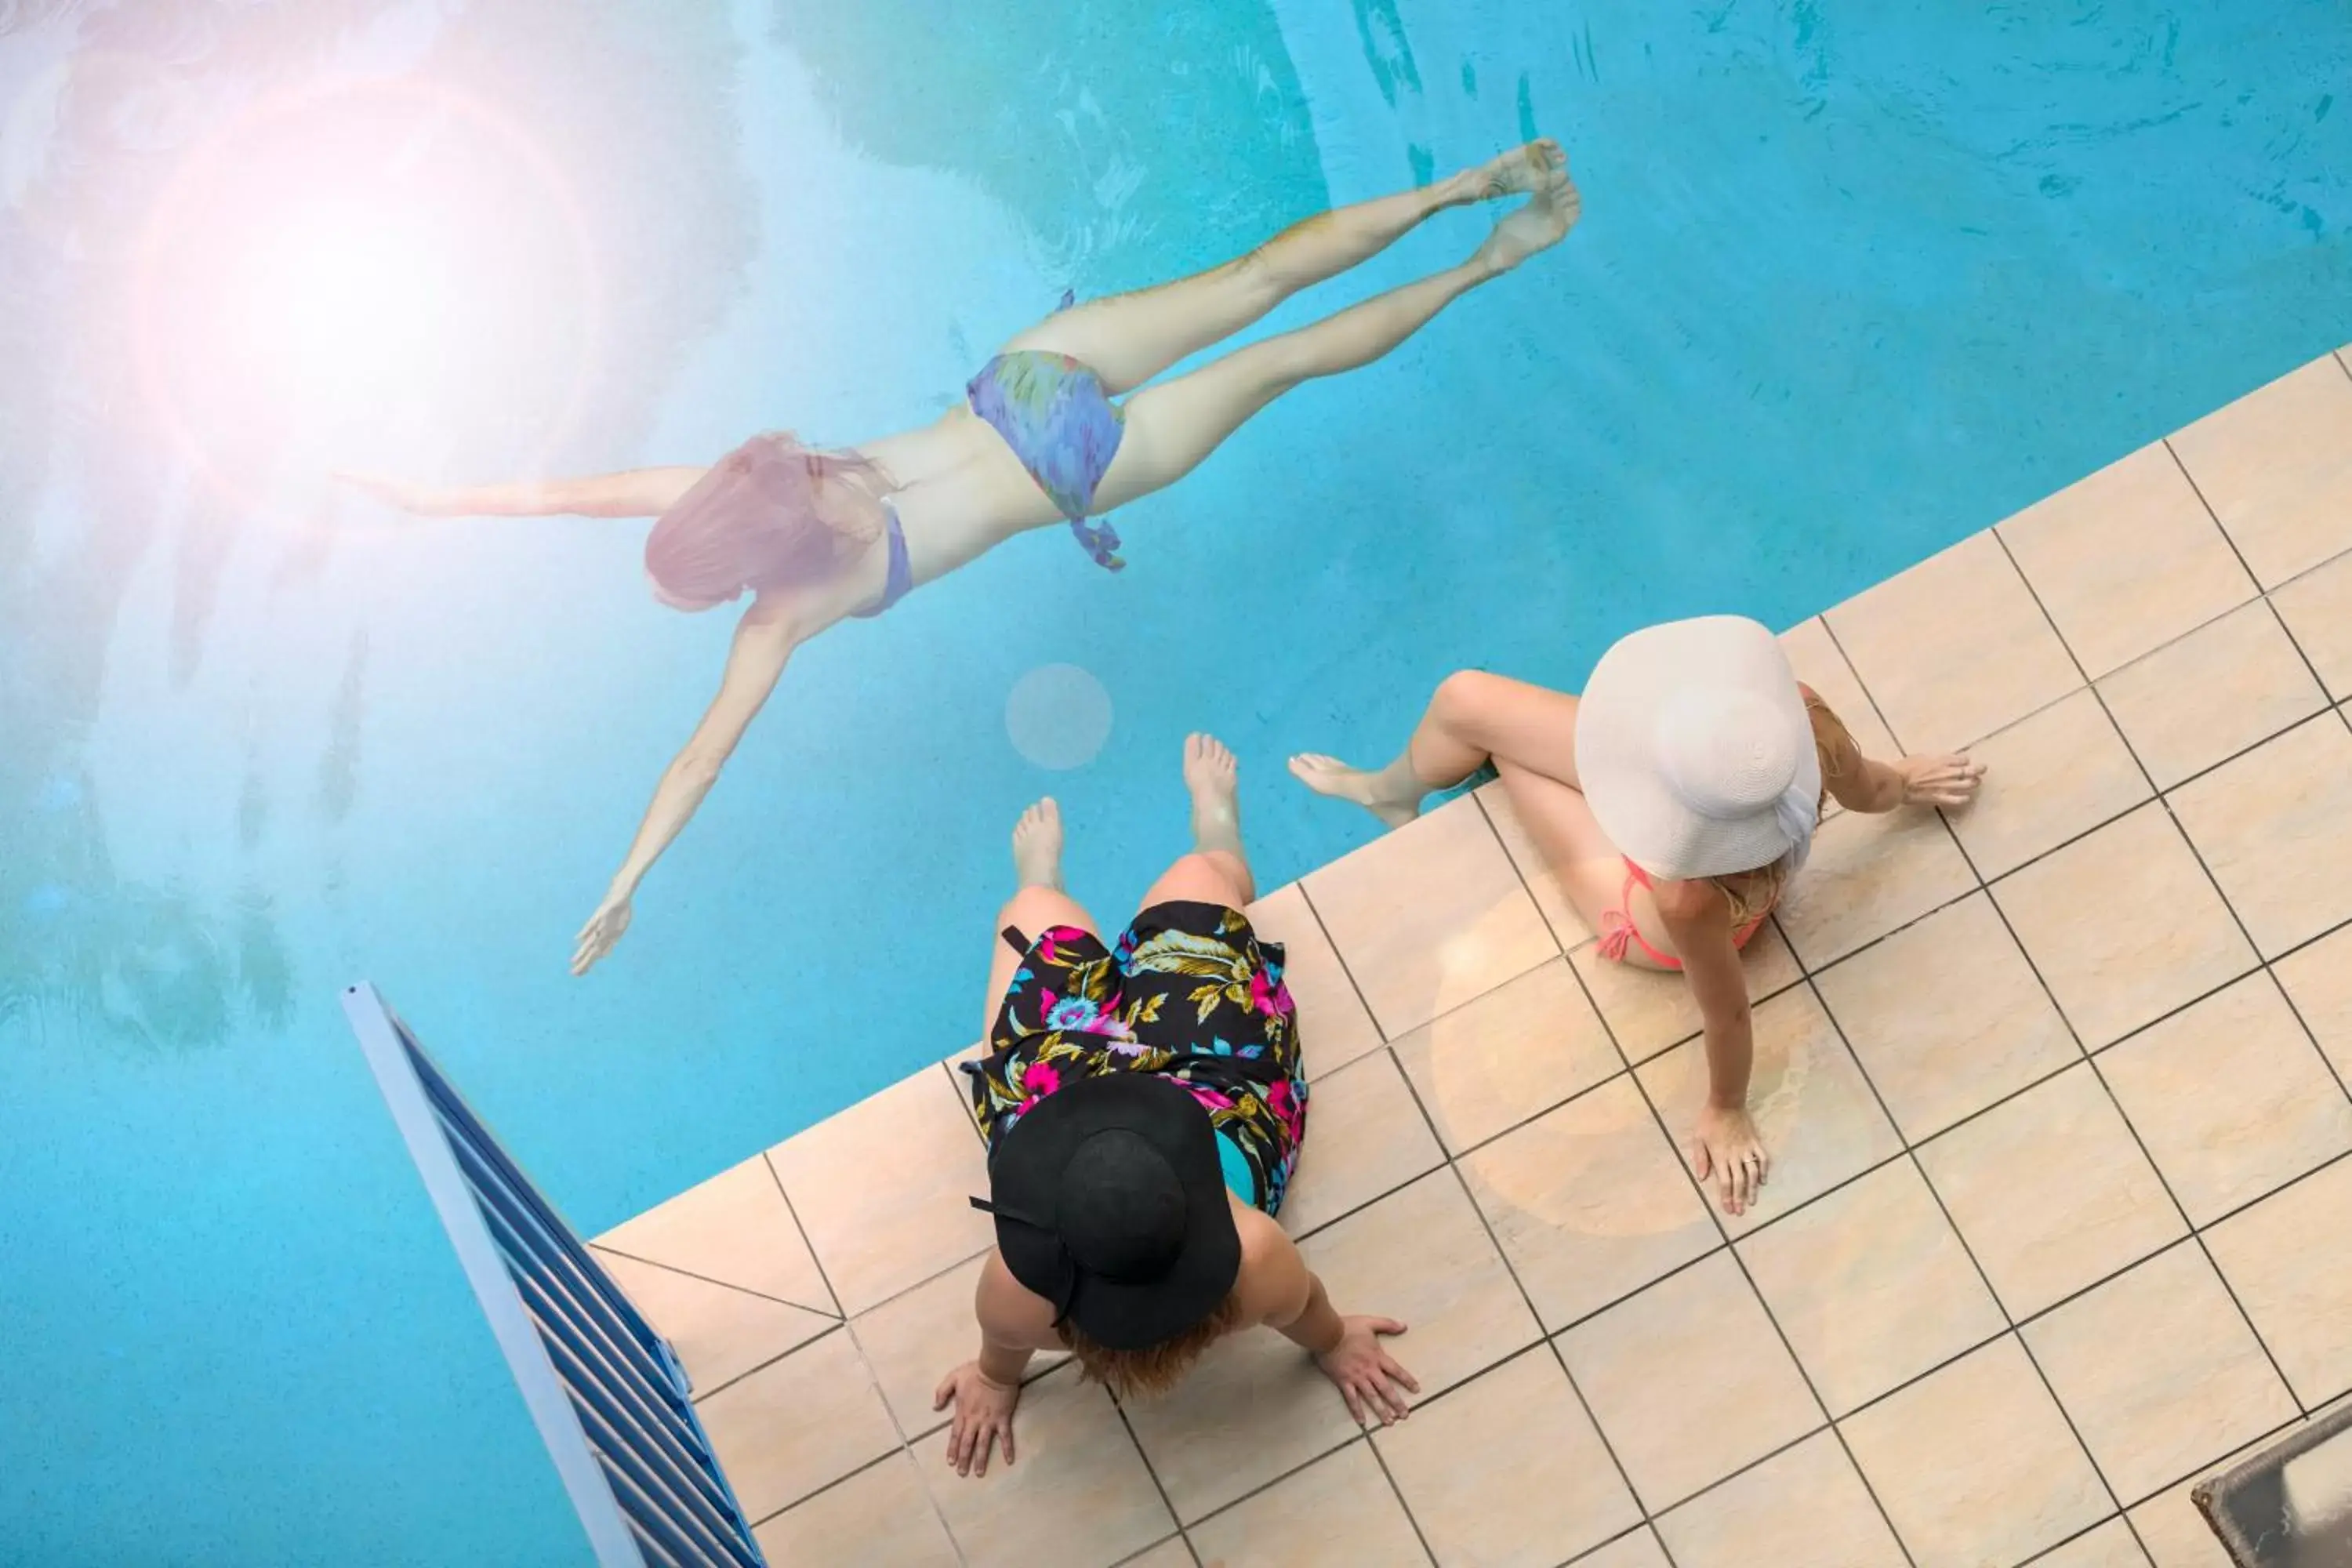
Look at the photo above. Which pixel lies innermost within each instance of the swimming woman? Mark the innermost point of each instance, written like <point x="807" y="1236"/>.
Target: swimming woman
<point x="1675" y="800"/>
<point x="820" y="535"/>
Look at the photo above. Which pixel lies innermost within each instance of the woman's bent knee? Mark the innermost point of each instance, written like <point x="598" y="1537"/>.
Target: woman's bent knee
<point x="1204" y="877"/>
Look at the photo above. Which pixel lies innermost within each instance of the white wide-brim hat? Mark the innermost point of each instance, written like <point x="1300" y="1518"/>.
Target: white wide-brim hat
<point x="1694" y="749"/>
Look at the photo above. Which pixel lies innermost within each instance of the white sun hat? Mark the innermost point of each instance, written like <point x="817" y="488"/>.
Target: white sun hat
<point x="1695" y="752"/>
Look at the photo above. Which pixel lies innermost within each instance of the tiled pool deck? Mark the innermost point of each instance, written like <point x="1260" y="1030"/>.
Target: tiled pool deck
<point x="2062" y="1212"/>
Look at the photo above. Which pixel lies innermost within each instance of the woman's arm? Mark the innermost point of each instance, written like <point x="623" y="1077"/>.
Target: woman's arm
<point x="1724" y="1147"/>
<point x="1282" y="1293"/>
<point x="639" y="492"/>
<point x="764" y="639"/>
<point x="1947" y="779"/>
<point x="1860" y="783"/>
<point x="1013" y="1323"/>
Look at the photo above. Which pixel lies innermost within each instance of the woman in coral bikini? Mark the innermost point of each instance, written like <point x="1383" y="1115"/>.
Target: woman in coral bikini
<point x="820" y="536"/>
<point x="1675" y="799"/>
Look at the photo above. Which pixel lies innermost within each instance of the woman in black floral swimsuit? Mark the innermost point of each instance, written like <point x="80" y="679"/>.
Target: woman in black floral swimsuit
<point x="1143" y="1106"/>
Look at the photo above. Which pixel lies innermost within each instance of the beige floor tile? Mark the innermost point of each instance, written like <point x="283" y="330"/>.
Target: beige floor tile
<point x="1821" y="664"/>
<point x="1516" y="1051"/>
<point x="1820" y="1121"/>
<point x="2047" y="778"/>
<point x="2286" y="1260"/>
<point x="1365" y="1136"/>
<point x="1077" y="1491"/>
<point x="719" y="1331"/>
<point x="2231" y="1098"/>
<point x="2127" y="560"/>
<point x="1689" y="1382"/>
<point x="2271" y="824"/>
<point x="879" y="1518"/>
<point x="1872" y="1287"/>
<point x="917" y="1336"/>
<point x="1870" y="875"/>
<point x="2318" y="981"/>
<point x="1639" y="1548"/>
<point x="735" y="1228"/>
<point x="1568" y="927"/>
<point x="2051" y="1191"/>
<point x="1430" y="916"/>
<point x="1545" y="1491"/>
<point x="1589" y="1201"/>
<point x="2175" y="1533"/>
<point x="2112" y="1545"/>
<point x="1955" y="648"/>
<point x="2158" y="1372"/>
<point x="1339" y="1513"/>
<point x="2123" y="925"/>
<point x="2230" y="684"/>
<point x="2317" y="608"/>
<point x="882" y="1189"/>
<point x="1422" y="1257"/>
<point x="1333" y="1027"/>
<point x="797" y="1424"/>
<point x="1799" y="1509"/>
<point x="2276" y="468"/>
<point x="1170" y="1554"/>
<point x="1254" y="1407"/>
<point x="1946" y="1016"/>
<point x="1648" y="1010"/>
<point x="1974" y="1463"/>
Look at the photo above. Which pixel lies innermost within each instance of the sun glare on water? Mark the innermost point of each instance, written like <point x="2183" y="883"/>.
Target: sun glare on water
<point x="339" y="305"/>
<point x="356" y="277"/>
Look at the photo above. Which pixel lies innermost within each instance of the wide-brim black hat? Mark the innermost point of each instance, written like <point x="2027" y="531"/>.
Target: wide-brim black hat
<point x="1110" y="1202"/>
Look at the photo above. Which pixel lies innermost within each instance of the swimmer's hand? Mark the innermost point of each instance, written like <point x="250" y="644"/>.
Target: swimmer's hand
<point x="1950" y="780"/>
<point x="417" y="499"/>
<point x="603" y="930"/>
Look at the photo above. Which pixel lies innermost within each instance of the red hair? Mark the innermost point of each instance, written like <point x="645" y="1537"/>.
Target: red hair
<point x="754" y="521"/>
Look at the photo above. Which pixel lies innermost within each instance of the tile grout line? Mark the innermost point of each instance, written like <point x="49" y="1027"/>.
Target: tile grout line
<point x="1731" y="1246"/>
<point x="2118" y="1517"/>
<point x="721" y="1284"/>
<point x="1911" y="1153"/>
<point x="1158" y="1485"/>
<point x="768" y="1160"/>
<point x="2130" y="1126"/>
<point x="1396" y="1491"/>
<point x="1543" y="1335"/>
<point x="843" y="1479"/>
<point x="1859" y="684"/>
<point x="2032" y="1360"/>
<point x="1551" y="1339"/>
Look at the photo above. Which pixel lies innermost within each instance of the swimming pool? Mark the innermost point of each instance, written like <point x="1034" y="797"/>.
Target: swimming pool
<point x="1846" y="289"/>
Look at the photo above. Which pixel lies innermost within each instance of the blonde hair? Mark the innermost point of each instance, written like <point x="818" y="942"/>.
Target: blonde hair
<point x="1155" y="1369"/>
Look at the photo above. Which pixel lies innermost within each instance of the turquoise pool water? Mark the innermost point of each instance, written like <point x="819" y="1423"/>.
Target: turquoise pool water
<point x="1853" y="282"/>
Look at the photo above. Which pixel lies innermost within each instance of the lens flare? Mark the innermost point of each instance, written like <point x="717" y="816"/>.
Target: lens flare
<point x="341" y="303"/>
<point x="355" y="277"/>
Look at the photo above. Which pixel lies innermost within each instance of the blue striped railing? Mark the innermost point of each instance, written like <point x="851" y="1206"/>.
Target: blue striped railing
<point x="607" y="1392"/>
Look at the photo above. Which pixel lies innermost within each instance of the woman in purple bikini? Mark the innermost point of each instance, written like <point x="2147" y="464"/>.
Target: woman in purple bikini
<point x="821" y="536"/>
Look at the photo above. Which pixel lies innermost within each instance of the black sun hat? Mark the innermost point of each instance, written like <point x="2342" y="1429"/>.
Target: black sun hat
<point x="1110" y="1202"/>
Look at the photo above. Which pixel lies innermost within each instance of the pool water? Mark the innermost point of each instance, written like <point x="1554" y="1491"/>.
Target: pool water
<point x="1852" y="283"/>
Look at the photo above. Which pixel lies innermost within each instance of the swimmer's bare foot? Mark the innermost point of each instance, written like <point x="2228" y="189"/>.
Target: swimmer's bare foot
<point x="1523" y="171"/>
<point x="1037" y="845"/>
<point x="1214" y="779"/>
<point x="1543" y="223"/>
<point x="1395" y="802"/>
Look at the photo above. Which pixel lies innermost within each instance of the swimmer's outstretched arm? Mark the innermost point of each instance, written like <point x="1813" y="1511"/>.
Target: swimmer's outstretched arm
<point x="639" y="492"/>
<point x="764" y="639"/>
